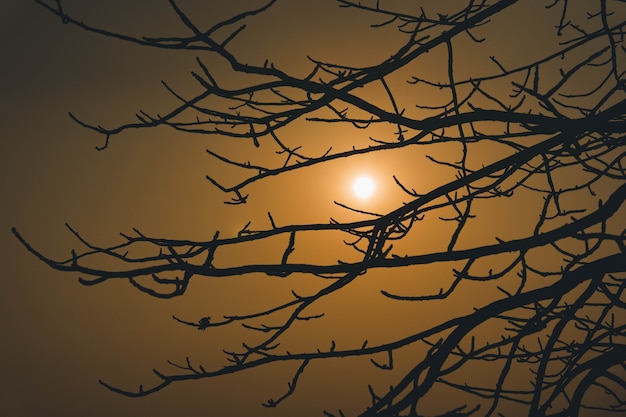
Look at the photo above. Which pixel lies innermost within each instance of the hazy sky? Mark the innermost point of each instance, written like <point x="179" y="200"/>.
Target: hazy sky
<point x="60" y="338"/>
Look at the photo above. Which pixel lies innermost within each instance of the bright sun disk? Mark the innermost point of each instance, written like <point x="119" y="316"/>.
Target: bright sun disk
<point x="363" y="187"/>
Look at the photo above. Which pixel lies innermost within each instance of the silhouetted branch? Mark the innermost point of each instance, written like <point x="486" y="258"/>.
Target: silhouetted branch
<point x="546" y="131"/>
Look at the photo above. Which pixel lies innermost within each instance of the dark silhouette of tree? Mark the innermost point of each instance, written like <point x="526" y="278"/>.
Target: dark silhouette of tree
<point x="555" y="122"/>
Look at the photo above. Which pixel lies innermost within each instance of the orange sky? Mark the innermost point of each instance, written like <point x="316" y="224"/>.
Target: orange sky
<point x="60" y="338"/>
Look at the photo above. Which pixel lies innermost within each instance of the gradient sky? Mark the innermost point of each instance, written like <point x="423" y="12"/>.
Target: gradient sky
<point x="59" y="337"/>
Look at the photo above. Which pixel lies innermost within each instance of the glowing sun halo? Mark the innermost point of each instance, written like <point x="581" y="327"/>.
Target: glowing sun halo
<point x="363" y="187"/>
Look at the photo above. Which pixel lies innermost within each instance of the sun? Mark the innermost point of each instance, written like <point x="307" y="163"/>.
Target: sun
<point x="363" y="187"/>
